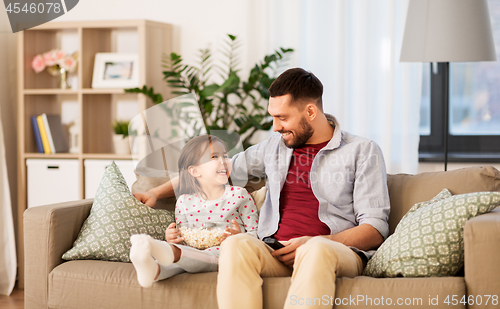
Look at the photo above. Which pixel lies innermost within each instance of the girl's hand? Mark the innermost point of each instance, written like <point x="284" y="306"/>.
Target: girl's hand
<point x="172" y="234"/>
<point x="231" y="231"/>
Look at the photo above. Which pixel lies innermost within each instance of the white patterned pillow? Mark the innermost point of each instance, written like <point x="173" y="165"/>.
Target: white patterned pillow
<point x="428" y="241"/>
<point x="115" y="216"/>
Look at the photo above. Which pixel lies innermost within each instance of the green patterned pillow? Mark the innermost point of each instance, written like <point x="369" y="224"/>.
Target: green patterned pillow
<point x="428" y="241"/>
<point x="115" y="216"/>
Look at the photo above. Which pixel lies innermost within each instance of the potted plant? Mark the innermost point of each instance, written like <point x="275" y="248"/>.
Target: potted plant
<point x="121" y="141"/>
<point x="234" y="104"/>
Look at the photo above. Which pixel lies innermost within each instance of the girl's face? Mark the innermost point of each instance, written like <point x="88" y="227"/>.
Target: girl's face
<point x="214" y="165"/>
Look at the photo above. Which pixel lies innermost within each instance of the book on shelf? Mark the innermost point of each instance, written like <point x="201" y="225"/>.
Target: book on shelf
<point x="52" y="134"/>
<point x="38" y="138"/>
<point x="49" y="135"/>
<point x="43" y="134"/>
<point x="57" y="134"/>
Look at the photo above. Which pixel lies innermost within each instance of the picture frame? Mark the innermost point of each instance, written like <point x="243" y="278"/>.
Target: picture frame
<point x="115" y="70"/>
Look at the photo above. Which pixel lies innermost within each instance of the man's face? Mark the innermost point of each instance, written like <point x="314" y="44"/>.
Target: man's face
<point x="289" y="121"/>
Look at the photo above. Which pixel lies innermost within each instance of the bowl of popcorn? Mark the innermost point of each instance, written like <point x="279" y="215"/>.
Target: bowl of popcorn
<point x="202" y="235"/>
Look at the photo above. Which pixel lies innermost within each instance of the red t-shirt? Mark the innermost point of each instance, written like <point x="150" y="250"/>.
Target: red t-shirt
<point x="298" y="205"/>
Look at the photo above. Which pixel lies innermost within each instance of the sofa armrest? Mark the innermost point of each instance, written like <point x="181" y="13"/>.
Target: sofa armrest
<point x="49" y="231"/>
<point x="482" y="255"/>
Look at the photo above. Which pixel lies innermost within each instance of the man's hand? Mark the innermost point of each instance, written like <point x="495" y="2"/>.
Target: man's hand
<point x="287" y="254"/>
<point x="172" y="235"/>
<point x="231" y="231"/>
<point x="147" y="198"/>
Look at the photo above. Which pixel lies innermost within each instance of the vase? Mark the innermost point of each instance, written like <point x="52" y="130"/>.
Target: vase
<point x="62" y="74"/>
<point x="121" y="144"/>
<point x="63" y="79"/>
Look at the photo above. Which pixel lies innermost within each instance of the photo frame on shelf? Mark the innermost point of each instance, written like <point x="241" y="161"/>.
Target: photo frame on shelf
<point x="115" y="70"/>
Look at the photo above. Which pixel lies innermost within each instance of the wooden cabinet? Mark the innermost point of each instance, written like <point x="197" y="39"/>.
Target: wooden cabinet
<point x="92" y="110"/>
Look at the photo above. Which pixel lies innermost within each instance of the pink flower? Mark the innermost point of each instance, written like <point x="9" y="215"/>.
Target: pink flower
<point x="58" y="54"/>
<point x="38" y="64"/>
<point x="50" y="58"/>
<point x="68" y="63"/>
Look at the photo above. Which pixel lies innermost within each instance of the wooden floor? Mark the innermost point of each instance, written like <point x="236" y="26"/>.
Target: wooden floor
<point x="14" y="301"/>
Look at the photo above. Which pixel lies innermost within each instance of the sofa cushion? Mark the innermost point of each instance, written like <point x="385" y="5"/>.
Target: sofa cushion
<point x="115" y="216"/>
<point x="407" y="190"/>
<point x="429" y="239"/>
<point x="444" y="194"/>
<point x="114" y="285"/>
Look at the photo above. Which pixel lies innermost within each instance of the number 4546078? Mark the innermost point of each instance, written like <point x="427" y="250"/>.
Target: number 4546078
<point x="471" y="300"/>
<point x="34" y="8"/>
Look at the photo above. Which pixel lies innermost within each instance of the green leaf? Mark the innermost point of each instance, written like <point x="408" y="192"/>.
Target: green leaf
<point x="180" y="92"/>
<point x="155" y="97"/>
<point x="209" y="90"/>
<point x="185" y="104"/>
<point x="241" y="106"/>
<point x="258" y="106"/>
<point x="245" y="127"/>
<point x="230" y="85"/>
<point x="209" y="107"/>
<point x="267" y="125"/>
<point x="264" y="93"/>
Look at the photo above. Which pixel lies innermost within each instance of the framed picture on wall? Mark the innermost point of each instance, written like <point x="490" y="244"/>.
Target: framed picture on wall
<point x="115" y="70"/>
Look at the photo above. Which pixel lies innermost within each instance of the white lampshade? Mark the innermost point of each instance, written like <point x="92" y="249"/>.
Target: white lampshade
<point x="448" y="31"/>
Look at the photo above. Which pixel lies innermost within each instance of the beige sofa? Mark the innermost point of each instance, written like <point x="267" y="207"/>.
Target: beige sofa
<point x="53" y="283"/>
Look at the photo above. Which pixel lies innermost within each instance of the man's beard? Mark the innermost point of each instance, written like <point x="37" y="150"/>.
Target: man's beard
<point x="300" y="138"/>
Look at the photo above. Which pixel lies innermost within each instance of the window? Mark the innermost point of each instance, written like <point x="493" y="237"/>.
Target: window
<point x="474" y="114"/>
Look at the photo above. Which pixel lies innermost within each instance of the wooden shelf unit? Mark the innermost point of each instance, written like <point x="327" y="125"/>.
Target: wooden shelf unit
<point x="39" y="93"/>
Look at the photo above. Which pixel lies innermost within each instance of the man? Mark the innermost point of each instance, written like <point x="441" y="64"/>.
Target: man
<point x="327" y="202"/>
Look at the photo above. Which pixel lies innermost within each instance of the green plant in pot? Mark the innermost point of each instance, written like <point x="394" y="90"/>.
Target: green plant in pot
<point x="235" y="105"/>
<point x="121" y="141"/>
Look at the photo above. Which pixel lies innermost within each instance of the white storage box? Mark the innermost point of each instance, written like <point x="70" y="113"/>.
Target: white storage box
<point x="52" y="181"/>
<point x="94" y="170"/>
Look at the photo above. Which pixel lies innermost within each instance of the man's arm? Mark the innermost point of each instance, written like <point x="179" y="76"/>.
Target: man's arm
<point x="364" y="237"/>
<point x="166" y="189"/>
<point x="150" y="197"/>
<point x="370" y="194"/>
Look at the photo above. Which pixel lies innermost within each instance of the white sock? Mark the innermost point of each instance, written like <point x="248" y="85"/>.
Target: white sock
<point x="140" y="255"/>
<point x="162" y="252"/>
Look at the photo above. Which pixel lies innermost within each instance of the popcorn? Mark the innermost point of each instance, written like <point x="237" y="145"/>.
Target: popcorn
<point x="202" y="237"/>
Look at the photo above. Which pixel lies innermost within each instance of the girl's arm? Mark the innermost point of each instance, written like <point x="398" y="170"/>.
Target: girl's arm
<point x="248" y="212"/>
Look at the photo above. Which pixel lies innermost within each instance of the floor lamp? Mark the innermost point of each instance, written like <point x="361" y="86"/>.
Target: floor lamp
<point x="447" y="31"/>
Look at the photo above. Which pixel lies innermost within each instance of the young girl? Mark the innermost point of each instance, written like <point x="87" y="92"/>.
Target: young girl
<point x="205" y="196"/>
